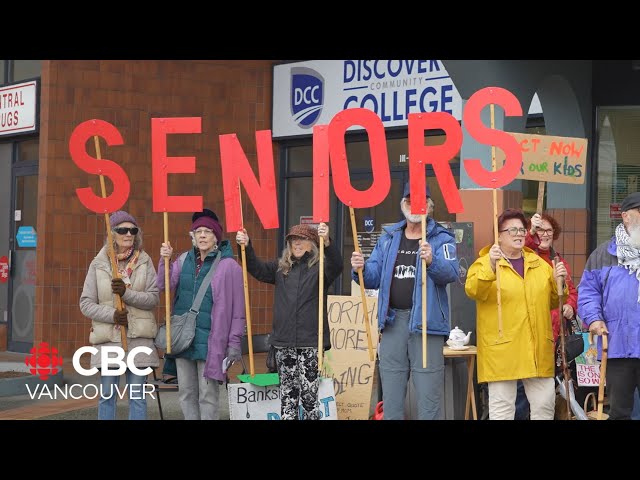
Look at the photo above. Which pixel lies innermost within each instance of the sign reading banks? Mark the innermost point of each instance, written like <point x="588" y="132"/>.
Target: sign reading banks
<point x="309" y="93"/>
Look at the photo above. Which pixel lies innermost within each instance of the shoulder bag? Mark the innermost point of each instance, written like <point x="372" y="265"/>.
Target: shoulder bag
<point x="183" y="327"/>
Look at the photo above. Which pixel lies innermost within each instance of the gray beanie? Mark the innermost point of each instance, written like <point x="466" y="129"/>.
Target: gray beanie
<point x="121" y="216"/>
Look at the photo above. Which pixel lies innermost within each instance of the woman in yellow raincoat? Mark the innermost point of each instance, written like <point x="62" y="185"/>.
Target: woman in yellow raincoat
<point x="522" y="347"/>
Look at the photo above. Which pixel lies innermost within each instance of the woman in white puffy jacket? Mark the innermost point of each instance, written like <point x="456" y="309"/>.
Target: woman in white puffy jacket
<point x="136" y="286"/>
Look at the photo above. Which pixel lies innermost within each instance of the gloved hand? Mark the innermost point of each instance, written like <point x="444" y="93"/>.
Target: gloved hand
<point x="120" y="317"/>
<point x="118" y="287"/>
<point x="233" y="354"/>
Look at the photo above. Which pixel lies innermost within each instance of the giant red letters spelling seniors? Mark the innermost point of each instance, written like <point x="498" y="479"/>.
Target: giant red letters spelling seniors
<point x="329" y="151"/>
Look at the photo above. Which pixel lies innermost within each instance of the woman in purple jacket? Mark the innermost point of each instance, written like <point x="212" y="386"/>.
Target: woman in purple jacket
<point x="221" y="318"/>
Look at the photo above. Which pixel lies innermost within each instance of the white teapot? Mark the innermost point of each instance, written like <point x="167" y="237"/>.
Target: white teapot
<point x="457" y="338"/>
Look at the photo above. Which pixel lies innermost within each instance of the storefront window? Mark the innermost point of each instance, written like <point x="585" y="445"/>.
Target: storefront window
<point x="617" y="152"/>
<point x="26" y="69"/>
<point x="28" y="151"/>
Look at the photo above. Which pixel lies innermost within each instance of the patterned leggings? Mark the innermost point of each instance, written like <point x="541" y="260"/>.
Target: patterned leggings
<point x="299" y="382"/>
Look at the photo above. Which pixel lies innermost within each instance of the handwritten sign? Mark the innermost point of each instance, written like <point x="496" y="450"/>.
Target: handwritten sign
<point x="250" y="402"/>
<point x="551" y="159"/>
<point x="588" y="375"/>
<point x="347" y="363"/>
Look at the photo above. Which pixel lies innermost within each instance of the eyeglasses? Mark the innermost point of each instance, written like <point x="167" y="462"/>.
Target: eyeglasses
<point x="203" y="231"/>
<point x="124" y="230"/>
<point x="548" y="232"/>
<point x="513" y="231"/>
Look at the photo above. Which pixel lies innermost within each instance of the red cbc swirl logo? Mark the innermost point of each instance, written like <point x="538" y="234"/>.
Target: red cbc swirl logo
<point x="43" y="361"/>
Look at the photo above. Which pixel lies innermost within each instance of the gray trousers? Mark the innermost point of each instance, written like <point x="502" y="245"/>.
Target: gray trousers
<point x="400" y="354"/>
<point x="198" y="395"/>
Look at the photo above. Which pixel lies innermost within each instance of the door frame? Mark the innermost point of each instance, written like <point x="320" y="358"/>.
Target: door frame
<point x="18" y="170"/>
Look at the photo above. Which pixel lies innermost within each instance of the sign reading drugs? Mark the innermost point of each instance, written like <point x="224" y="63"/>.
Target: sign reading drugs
<point x="347" y="363"/>
<point x="551" y="159"/>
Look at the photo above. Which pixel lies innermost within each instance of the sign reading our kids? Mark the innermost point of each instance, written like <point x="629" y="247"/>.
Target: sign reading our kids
<point x="329" y="152"/>
<point x="551" y="159"/>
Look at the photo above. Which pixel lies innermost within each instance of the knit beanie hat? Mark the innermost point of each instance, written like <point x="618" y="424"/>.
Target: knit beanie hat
<point x="121" y="216"/>
<point x="207" y="219"/>
<point x="304" y="231"/>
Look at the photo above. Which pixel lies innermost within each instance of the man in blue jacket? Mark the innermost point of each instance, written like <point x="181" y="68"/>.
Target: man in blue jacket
<point x="609" y="302"/>
<point x="395" y="268"/>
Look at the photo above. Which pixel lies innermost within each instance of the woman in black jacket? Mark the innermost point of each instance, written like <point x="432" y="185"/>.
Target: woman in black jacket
<point x="295" y="313"/>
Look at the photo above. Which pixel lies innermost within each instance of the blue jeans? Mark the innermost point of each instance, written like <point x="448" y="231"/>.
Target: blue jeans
<point x="109" y="396"/>
<point x="522" y="403"/>
<point x="401" y="356"/>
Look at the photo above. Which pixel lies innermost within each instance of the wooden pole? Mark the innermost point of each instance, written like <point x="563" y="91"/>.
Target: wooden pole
<point x="245" y="282"/>
<point x="111" y="253"/>
<point x="495" y="224"/>
<point x="167" y="283"/>
<point x="603" y="374"/>
<point x="424" y="295"/>
<point x="321" y="307"/>
<point x="540" y="202"/>
<point x="365" y="307"/>
<point x="563" y="351"/>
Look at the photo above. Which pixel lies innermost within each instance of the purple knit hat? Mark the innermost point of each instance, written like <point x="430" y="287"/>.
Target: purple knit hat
<point x="121" y="216"/>
<point x="207" y="219"/>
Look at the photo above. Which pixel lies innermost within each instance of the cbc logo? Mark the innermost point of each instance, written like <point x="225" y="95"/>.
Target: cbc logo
<point x="106" y="359"/>
<point x="307" y="96"/>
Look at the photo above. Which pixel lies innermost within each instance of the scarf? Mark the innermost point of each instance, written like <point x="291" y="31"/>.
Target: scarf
<point x="628" y="256"/>
<point x="125" y="273"/>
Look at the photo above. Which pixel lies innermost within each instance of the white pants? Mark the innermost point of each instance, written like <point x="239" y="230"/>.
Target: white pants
<point x="198" y="395"/>
<point x="541" y="393"/>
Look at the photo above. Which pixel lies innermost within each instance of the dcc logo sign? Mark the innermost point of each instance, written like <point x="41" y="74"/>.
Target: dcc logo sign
<point x="307" y="96"/>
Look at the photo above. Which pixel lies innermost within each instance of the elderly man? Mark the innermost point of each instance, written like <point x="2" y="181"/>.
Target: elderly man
<point x="609" y="302"/>
<point x="395" y="268"/>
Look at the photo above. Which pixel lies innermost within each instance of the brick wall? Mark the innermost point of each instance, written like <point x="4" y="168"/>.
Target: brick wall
<point x="229" y="96"/>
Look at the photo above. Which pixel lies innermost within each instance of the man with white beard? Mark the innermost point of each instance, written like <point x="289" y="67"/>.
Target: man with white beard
<point x="395" y="268"/>
<point x="609" y="302"/>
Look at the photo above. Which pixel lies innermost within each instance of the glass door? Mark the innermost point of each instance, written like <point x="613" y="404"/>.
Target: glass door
<point x="22" y="244"/>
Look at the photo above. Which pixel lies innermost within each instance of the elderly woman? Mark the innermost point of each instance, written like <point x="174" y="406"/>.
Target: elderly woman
<point x="543" y="230"/>
<point x="295" y="313"/>
<point x="523" y="348"/>
<point x="221" y="318"/>
<point x="136" y="286"/>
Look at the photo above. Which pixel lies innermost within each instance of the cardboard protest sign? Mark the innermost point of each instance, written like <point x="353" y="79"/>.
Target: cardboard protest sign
<point x="251" y="402"/>
<point x="551" y="159"/>
<point x="347" y="363"/>
<point x="587" y="365"/>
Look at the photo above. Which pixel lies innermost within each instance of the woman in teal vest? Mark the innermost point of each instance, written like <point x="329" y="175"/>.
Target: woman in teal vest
<point x="221" y="318"/>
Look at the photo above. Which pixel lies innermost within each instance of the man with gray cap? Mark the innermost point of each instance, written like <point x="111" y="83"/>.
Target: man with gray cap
<point x="609" y="302"/>
<point x="395" y="268"/>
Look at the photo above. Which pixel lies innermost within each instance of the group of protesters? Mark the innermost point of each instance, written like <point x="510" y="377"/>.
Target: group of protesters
<point x="515" y="283"/>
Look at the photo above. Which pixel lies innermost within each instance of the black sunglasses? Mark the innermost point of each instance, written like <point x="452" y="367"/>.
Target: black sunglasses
<point x="124" y="230"/>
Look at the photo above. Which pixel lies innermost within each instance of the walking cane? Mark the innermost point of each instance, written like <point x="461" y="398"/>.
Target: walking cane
<point x="603" y="374"/>
<point x="563" y="351"/>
